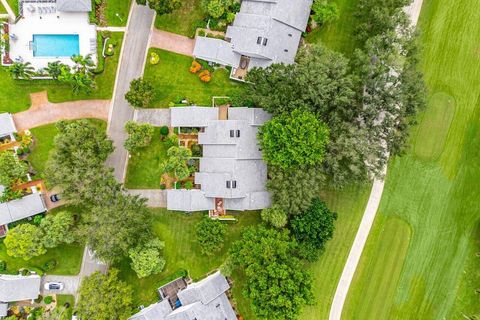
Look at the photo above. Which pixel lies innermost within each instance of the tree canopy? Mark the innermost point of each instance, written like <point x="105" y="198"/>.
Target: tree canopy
<point x="313" y="228"/>
<point x="276" y="281"/>
<point x="25" y="241"/>
<point x="210" y="235"/>
<point x="146" y="259"/>
<point x="176" y="163"/>
<point x="104" y="297"/>
<point x="140" y="94"/>
<point x="11" y="169"/>
<point x="275" y="216"/>
<point x="293" y="140"/>
<point x="139" y="135"/>
<point x="164" y="6"/>
<point x="58" y="229"/>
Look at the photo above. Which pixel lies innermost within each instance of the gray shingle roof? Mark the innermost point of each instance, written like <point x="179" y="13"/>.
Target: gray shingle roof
<point x="205" y="290"/>
<point x="189" y="200"/>
<point x="22" y="208"/>
<point x="74" y="5"/>
<point x="156" y="311"/>
<point x="3" y="309"/>
<point x="267" y="31"/>
<point x="19" y="288"/>
<point x="7" y="125"/>
<point x="192" y="116"/>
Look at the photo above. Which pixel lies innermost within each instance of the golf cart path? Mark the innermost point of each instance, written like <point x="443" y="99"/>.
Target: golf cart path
<point x="413" y="11"/>
<point x="43" y="112"/>
<point x="10" y="12"/>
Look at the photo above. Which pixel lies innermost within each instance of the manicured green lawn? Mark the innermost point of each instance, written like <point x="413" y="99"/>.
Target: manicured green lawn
<point x="181" y="250"/>
<point x="43" y="137"/>
<point x="66" y="298"/>
<point x="174" y="82"/>
<point x="2" y="9"/>
<point x="68" y="257"/>
<point x="116" y="12"/>
<point x="338" y="35"/>
<point x="433" y="188"/>
<point x="144" y="166"/>
<point x="14" y="94"/>
<point x="14" y="5"/>
<point x="183" y="21"/>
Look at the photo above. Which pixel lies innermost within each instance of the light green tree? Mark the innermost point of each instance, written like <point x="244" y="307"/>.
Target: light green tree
<point x="210" y="235"/>
<point x="57" y="229"/>
<point x="146" y="259"/>
<point x="11" y="168"/>
<point x="275" y="216"/>
<point x="25" y="241"/>
<point x="139" y="135"/>
<point x="176" y="163"/>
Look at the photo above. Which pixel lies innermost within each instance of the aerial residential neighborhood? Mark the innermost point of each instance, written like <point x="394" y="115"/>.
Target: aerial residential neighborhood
<point x="239" y="159"/>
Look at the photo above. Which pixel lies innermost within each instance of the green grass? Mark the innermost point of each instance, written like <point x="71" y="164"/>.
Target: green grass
<point x="181" y="250"/>
<point x="144" y="166"/>
<point x="338" y="35"/>
<point x="2" y="9"/>
<point x="14" y="5"/>
<point x="14" y="94"/>
<point x="114" y="7"/>
<point x="68" y="257"/>
<point x="66" y="298"/>
<point x="182" y="21"/>
<point x="174" y="82"/>
<point x="433" y="188"/>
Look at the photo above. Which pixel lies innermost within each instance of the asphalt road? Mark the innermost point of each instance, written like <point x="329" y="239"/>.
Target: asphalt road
<point x="131" y="67"/>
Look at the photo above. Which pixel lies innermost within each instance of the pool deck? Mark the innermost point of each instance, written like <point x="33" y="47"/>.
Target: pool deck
<point x="33" y="22"/>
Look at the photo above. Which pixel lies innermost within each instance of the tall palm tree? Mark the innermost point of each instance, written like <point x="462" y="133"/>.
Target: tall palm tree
<point x="54" y="69"/>
<point x="21" y="70"/>
<point x="83" y="64"/>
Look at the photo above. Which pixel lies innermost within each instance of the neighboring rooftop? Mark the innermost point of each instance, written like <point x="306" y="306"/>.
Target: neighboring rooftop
<point x="204" y="300"/>
<point x="7" y="126"/>
<point x="22" y="208"/>
<point x="265" y="31"/>
<point x="19" y="288"/>
<point x="231" y="167"/>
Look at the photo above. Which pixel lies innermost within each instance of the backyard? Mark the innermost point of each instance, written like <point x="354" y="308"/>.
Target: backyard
<point x="429" y="210"/>
<point x="183" y="21"/>
<point x="174" y="82"/>
<point x="181" y="250"/>
<point x="144" y="170"/>
<point x="14" y="94"/>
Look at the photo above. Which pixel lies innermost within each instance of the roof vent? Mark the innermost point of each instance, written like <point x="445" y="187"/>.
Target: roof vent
<point x="232" y="133"/>
<point x="265" y="40"/>
<point x="229" y="184"/>
<point x="238" y="133"/>
<point x="259" y="40"/>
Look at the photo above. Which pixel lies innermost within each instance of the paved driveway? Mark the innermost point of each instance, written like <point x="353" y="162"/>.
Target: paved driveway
<point x="156" y="198"/>
<point x="155" y="117"/>
<point x="71" y="283"/>
<point x="172" y="42"/>
<point x="131" y="67"/>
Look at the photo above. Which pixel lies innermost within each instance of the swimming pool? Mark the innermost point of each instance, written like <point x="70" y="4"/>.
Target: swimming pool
<point x="55" y="45"/>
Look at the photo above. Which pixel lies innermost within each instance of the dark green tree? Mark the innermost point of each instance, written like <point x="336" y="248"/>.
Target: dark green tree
<point x="292" y="140"/>
<point x="276" y="281"/>
<point x="313" y="228"/>
<point x="164" y="6"/>
<point x="140" y="94"/>
<point x="210" y="235"/>
<point x="104" y="297"/>
<point x="57" y="229"/>
<point x="146" y="259"/>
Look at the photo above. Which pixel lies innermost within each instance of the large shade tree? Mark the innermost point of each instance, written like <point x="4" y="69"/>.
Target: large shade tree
<point x="147" y="258"/>
<point x="25" y="241"/>
<point x="58" y="229"/>
<point x="11" y="168"/>
<point x="104" y="297"/>
<point x="276" y="281"/>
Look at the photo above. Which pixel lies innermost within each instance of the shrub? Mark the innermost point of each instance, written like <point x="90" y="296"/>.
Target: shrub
<point x="142" y="2"/>
<point x="230" y="17"/>
<point x="201" y="33"/>
<point x="188" y="185"/>
<point x="154" y="58"/>
<point x="3" y="265"/>
<point x="37" y="219"/>
<point x="20" y="151"/>
<point x="178" y="185"/>
<point x="106" y="34"/>
<point x="50" y="265"/>
<point x="163" y="186"/>
<point x="195" y="67"/>
<point x="205" y="76"/>
<point x="140" y="94"/>
<point x="164" y="131"/>
<point x="48" y="299"/>
<point x="210" y="235"/>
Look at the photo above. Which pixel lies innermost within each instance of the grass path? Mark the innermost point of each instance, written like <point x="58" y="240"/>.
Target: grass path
<point x="434" y="187"/>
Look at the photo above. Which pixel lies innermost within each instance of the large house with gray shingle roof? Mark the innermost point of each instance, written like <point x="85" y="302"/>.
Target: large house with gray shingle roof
<point x="17" y="288"/>
<point x="232" y="174"/>
<point x="263" y="32"/>
<point x="203" y="300"/>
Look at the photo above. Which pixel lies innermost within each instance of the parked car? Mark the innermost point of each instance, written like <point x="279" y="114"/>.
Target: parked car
<point x="55" y="197"/>
<point x="53" y="286"/>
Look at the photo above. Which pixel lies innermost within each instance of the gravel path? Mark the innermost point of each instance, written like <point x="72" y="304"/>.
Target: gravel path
<point x="413" y="11"/>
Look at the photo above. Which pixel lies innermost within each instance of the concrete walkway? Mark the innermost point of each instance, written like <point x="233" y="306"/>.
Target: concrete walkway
<point x="112" y="29"/>
<point x="10" y="12"/>
<point x="156" y="198"/>
<point x="43" y="112"/>
<point x="155" y="117"/>
<point x="132" y="62"/>
<point x="172" y="42"/>
<point x="413" y="11"/>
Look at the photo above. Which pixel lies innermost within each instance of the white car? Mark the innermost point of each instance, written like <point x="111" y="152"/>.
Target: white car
<point x="57" y="286"/>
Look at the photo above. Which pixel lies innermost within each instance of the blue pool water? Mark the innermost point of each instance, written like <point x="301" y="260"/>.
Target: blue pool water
<point x="55" y="45"/>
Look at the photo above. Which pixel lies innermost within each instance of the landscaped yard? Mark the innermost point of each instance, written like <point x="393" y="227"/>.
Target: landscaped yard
<point x="340" y="34"/>
<point x="181" y="250"/>
<point x="174" y="82"/>
<point x="184" y="20"/>
<point x="116" y="12"/>
<point x="431" y="272"/>
<point x="65" y="298"/>
<point x="14" y="94"/>
<point x="144" y="166"/>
